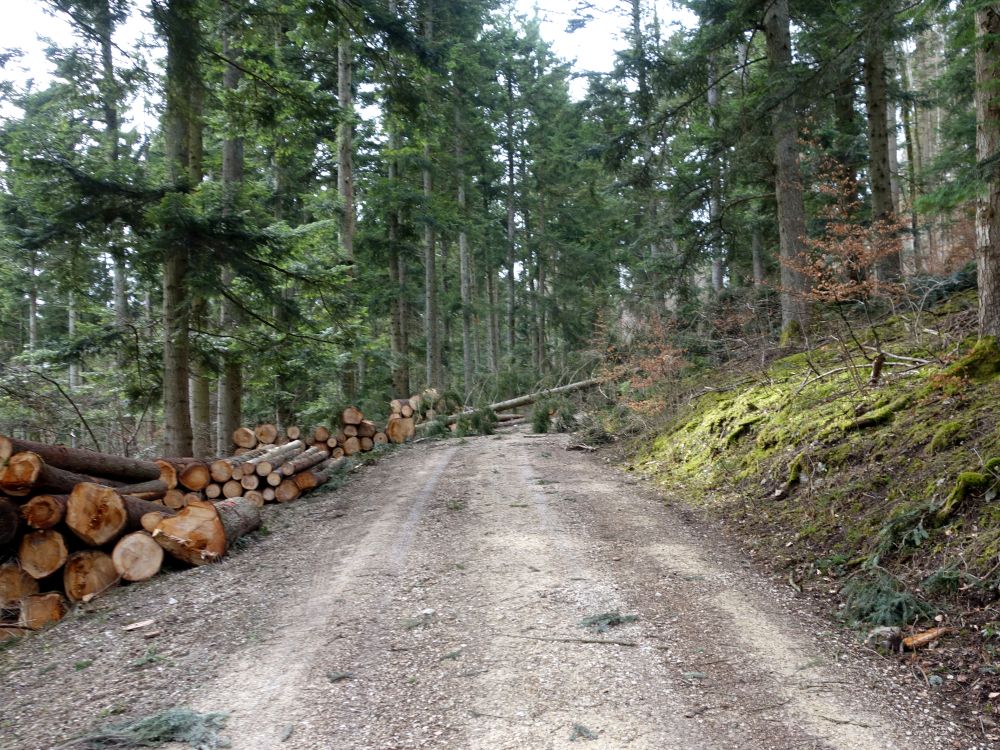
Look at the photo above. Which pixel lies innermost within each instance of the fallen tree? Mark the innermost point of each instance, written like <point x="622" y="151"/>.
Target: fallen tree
<point x="530" y="398"/>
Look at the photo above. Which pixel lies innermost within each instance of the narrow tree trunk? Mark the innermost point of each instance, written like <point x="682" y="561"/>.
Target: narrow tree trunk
<point x="987" y="145"/>
<point x="757" y="257"/>
<point x="887" y="267"/>
<point x="200" y="392"/>
<point x="345" y="136"/>
<point x="788" y="187"/>
<point x="511" y="218"/>
<point x="231" y="380"/>
<point x="465" y="277"/>
<point x="179" y="25"/>
<point x="493" y="298"/>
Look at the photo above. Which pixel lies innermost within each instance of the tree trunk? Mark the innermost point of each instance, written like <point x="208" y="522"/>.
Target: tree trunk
<point x="137" y="556"/>
<point x="42" y="553"/>
<point x="84" y="461"/>
<point x="531" y="398"/>
<point x="88" y="574"/>
<point x="345" y="134"/>
<point x="788" y="188"/>
<point x="887" y="267"/>
<point x="179" y="25"/>
<point x="463" y="267"/>
<point x="987" y="145"/>
<point x="511" y="217"/>
<point x="26" y="473"/>
<point x="98" y="514"/>
<point x="10" y="523"/>
<point x="203" y="532"/>
<point x="15" y="584"/>
<point x="493" y="302"/>
<point x="39" y="610"/>
<point x="43" y="511"/>
<point x="200" y="391"/>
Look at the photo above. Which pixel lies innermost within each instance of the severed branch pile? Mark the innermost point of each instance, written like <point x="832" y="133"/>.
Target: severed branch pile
<point x="76" y="522"/>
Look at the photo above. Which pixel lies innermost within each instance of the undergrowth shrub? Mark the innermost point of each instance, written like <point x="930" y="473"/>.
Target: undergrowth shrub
<point x="874" y="597"/>
<point x="541" y="418"/>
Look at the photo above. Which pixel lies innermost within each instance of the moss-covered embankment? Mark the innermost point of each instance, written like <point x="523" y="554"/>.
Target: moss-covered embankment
<point x="886" y="494"/>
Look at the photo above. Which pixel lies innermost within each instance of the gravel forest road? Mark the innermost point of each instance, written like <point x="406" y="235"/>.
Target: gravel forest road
<point x="435" y="601"/>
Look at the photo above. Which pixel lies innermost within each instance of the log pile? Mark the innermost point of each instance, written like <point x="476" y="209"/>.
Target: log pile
<point x="74" y="523"/>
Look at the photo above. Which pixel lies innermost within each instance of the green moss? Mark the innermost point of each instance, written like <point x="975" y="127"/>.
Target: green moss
<point x="877" y="416"/>
<point x="980" y="364"/>
<point x="967" y="482"/>
<point x="791" y="334"/>
<point x="947" y="435"/>
<point x="795" y="469"/>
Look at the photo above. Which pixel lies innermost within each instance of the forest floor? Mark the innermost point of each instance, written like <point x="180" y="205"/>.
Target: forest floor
<point x="436" y="601"/>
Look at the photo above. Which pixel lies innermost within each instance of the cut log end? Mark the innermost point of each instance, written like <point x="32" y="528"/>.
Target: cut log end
<point x="96" y="513"/>
<point x="137" y="556"/>
<point x="15" y="584"/>
<point x="42" y="553"/>
<point x="39" y="610"/>
<point x="244" y="437"/>
<point x="88" y="574"/>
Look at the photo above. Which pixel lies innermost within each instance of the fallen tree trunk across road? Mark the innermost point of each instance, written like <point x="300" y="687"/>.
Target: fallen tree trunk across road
<point x="531" y="398"/>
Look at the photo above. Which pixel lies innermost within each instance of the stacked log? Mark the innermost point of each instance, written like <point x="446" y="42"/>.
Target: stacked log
<point x="402" y="425"/>
<point x="75" y="523"/>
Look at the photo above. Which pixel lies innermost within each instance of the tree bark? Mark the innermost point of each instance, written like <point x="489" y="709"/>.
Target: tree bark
<point x="887" y="267"/>
<point x="10" y="523"/>
<point x="203" y="532"/>
<point x="84" y="461"/>
<point x="179" y="26"/>
<point x="788" y="188"/>
<point x="463" y="266"/>
<point x="987" y="145"/>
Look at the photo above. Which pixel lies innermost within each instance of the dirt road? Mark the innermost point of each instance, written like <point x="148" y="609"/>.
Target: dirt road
<point x="435" y="601"/>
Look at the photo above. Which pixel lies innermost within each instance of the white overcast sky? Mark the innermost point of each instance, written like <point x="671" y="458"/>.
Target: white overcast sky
<point x="26" y="23"/>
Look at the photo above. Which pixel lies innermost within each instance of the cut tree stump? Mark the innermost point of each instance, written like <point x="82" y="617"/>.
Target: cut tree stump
<point x="137" y="556"/>
<point x="82" y="461"/>
<point x="42" y="553"/>
<point x="351" y="416"/>
<point x="266" y="433"/>
<point x="88" y="574"/>
<point x="15" y="584"/>
<point x="44" y="511"/>
<point x="39" y="610"/>
<point x="202" y="532"/>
